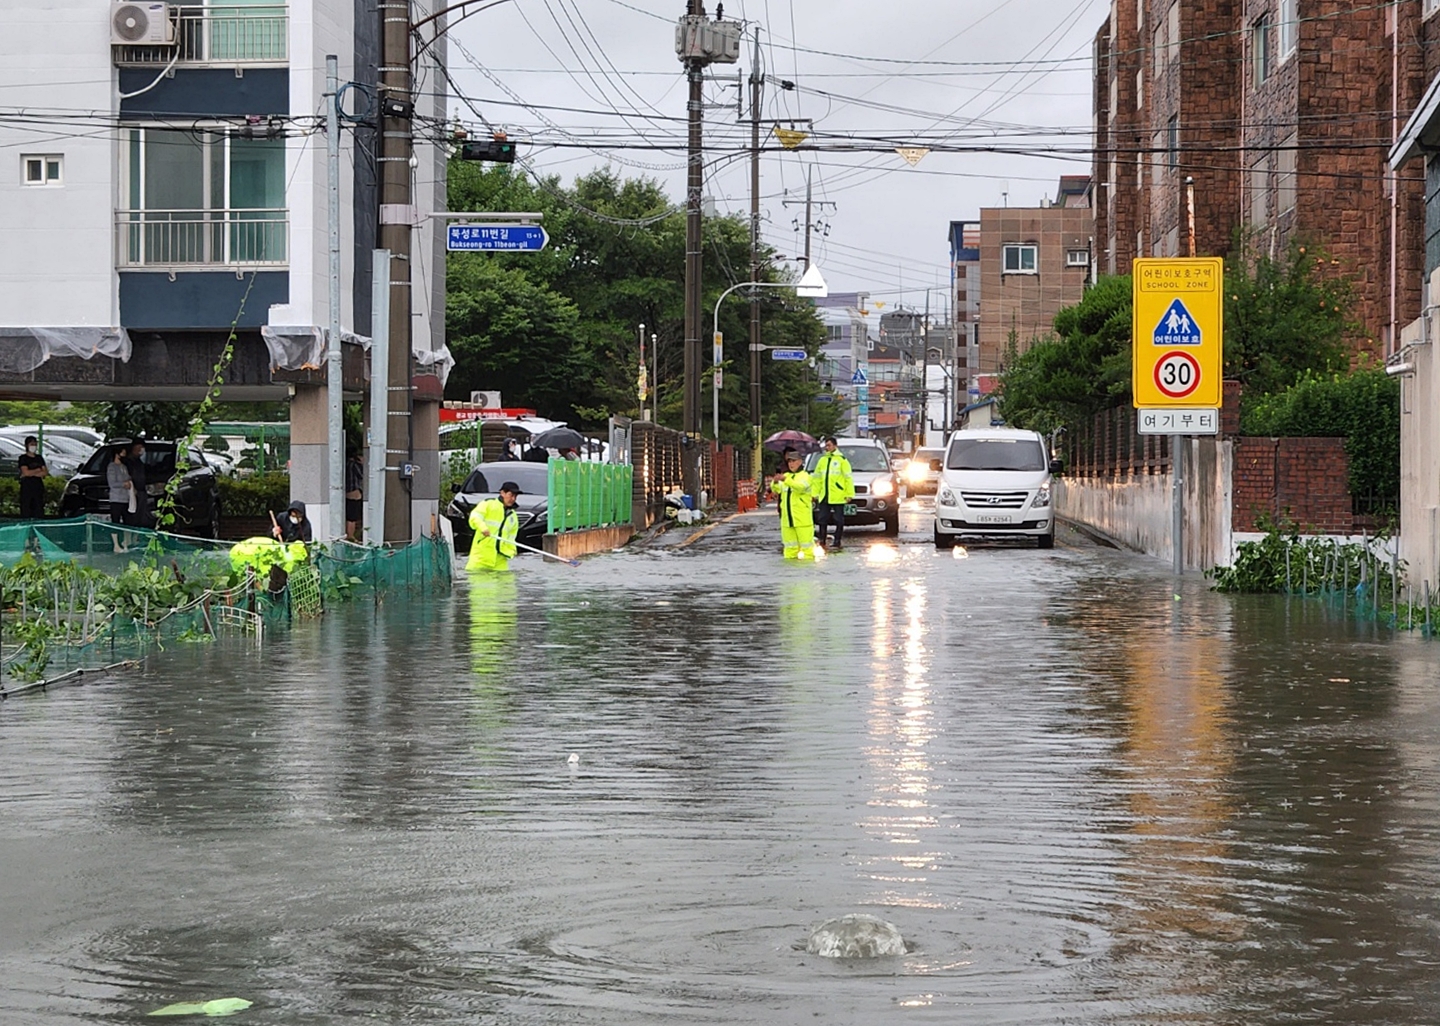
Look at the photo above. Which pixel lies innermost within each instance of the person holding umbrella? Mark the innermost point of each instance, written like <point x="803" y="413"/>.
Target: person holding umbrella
<point x="792" y="486"/>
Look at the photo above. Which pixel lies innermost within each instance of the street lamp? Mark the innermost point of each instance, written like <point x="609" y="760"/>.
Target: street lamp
<point x="810" y="286"/>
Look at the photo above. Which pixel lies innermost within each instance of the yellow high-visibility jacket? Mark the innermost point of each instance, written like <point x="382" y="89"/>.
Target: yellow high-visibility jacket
<point x="794" y="491"/>
<point x="834" y="480"/>
<point x="495" y="528"/>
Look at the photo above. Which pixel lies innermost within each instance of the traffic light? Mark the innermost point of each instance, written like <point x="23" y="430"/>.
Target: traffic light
<point x="499" y="150"/>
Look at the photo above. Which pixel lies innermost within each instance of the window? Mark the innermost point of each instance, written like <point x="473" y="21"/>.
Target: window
<point x="41" y="168"/>
<point x="1020" y="259"/>
<point x="1175" y="30"/>
<point x="1431" y="6"/>
<point x="1260" y="49"/>
<point x="1172" y="141"/>
<point x="1289" y="28"/>
<point x="1285" y="192"/>
<point x="1157" y="163"/>
<point x="1139" y="89"/>
<point x="1259" y="192"/>
<point x="203" y="196"/>
<point x="1077" y="258"/>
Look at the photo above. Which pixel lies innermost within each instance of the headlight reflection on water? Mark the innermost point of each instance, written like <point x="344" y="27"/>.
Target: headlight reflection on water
<point x="959" y="552"/>
<point x="882" y="553"/>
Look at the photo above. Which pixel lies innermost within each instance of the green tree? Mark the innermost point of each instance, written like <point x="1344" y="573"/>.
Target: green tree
<point x="1284" y="318"/>
<point x="558" y="330"/>
<point x="165" y="420"/>
<point x="1083" y="369"/>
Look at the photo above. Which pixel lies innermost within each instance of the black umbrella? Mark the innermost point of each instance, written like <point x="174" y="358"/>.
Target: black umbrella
<point x="559" y="438"/>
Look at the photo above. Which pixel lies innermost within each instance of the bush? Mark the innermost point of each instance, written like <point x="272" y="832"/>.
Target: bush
<point x="1362" y="407"/>
<point x="10" y="495"/>
<point x="254" y="496"/>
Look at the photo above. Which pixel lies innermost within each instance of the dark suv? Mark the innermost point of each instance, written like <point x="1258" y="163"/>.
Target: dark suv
<point x="197" y="505"/>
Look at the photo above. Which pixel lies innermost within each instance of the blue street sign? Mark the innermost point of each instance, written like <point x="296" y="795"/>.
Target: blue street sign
<point x="825" y="397"/>
<point x="858" y="378"/>
<point x="496" y="238"/>
<point x="787" y="354"/>
<point x="1177" y="327"/>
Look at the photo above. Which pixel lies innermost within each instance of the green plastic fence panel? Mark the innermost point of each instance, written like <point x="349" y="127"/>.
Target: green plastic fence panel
<point x="583" y="494"/>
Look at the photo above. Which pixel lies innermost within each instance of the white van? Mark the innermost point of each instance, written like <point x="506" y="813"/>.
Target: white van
<point x="995" y="482"/>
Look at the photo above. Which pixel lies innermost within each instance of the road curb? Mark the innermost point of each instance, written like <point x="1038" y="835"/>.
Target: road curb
<point x="1096" y="535"/>
<point x="706" y="530"/>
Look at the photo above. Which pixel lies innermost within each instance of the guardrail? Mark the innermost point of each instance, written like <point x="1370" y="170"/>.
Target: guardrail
<point x="584" y="494"/>
<point x="218" y="238"/>
<point x="239" y="34"/>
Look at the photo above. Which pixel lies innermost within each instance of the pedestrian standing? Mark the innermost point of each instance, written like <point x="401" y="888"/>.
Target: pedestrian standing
<point x="354" y="494"/>
<point x="496" y="524"/>
<point x="135" y="463"/>
<point x="120" y="493"/>
<point x="793" y="488"/>
<point x="834" y="488"/>
<point x="33" y="472"/>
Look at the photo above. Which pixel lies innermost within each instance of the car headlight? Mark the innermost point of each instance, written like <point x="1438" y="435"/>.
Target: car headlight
<point x="1042" y="498"/>
<point x="883" y="486"/>
<point x="915" y="473"/>
<point x="947" y="497"/>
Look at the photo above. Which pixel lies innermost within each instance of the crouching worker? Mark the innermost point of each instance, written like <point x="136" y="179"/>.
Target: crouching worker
<point x="270" y="558"/>
<point x="495" y="523"/>
<point x="797" y="515"/>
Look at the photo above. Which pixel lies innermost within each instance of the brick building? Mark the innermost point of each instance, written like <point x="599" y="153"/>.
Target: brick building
<point x="1282" y="113"/>
<point x="1032" y="262"/>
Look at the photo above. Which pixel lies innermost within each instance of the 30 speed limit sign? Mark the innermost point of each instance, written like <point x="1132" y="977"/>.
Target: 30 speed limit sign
<point x="1177" y="374"/>
<point x="1177" y="332"/>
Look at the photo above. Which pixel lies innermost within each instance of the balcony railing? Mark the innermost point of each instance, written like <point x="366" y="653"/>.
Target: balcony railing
<point x="201" y="238"/>
<point x="242" y="34"/>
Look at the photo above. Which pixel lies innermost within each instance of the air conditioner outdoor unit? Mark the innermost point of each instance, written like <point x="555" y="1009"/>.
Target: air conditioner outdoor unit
<point x="486" y="400"/>
<point x="140" y="24"/>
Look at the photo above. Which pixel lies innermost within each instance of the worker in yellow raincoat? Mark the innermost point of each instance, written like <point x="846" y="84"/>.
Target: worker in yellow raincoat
<point x="495" y="524"/>
<point x="797" y="513"/>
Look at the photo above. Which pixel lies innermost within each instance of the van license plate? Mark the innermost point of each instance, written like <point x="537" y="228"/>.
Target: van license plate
<point x="991" y="518"/>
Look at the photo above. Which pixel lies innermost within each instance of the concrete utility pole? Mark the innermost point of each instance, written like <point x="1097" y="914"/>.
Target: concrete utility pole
<point x="334" y="362"/>
<point x="396" y="224"/>
<point x="694" y="186"/>
<point x="810" y="205"/>
<point x="756" y="82"/>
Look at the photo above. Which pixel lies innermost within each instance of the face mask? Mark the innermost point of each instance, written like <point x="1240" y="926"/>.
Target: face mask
<point x="30" y="449"/>
<point x="294" y="519"/>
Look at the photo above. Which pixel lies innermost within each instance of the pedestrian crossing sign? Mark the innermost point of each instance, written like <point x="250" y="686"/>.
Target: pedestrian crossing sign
<point x="1177" y="327"/>
<point x="858" y="378"/>
<point x="1177" y="333"/>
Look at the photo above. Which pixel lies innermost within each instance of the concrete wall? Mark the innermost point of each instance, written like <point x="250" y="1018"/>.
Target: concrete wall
<point x="1137" y="511"/>
<point x="57" y="266"/>
<point x="1420" y="450"/>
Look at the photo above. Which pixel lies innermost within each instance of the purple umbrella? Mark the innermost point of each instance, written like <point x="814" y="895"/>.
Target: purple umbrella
<point x="797" y="440"/>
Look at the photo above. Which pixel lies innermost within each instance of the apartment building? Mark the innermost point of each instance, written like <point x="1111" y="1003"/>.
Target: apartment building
<point x="1032" y="261"/>
<point x="965" y="302"/>
<point x="1280" y="114"/>
<point x="167" y="179"/>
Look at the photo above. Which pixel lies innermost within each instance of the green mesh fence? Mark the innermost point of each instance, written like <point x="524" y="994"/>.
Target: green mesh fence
<point x="588" y="494"/>
<point x="85" y="591"/>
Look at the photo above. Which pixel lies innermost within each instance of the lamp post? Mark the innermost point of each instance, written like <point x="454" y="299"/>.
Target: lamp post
<point x="810" y="286"/>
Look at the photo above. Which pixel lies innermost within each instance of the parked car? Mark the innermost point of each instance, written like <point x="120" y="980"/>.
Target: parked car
<point x="197" y="506"/>
<point x="877" y="488"/>
<point x="995" y="483"/>
<point x="483" y="483"/>
<point x="922" y="471"/>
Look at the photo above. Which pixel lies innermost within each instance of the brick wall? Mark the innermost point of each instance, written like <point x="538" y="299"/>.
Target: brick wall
<point x="1301" y="479"/>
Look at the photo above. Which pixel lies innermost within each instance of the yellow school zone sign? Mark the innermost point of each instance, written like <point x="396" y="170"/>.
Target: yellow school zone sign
<point x="1177" y="332"/>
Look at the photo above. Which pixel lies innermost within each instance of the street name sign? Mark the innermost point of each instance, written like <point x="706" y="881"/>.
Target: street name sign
<point x="496" y="238"/>
<point x="1177" y="338"/>
<point x="787" y="354"/>
<point x="1183" y="420"/>
<point x="825" y="397"/>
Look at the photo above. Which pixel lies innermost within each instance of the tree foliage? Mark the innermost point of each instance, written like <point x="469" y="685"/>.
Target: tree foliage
<point x="1284" y="318"/>
<point x="1081" y="370"/>
<point x="559" y="330"/>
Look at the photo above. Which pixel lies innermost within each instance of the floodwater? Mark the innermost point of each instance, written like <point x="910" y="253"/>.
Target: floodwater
<point x="1085" y="795"/>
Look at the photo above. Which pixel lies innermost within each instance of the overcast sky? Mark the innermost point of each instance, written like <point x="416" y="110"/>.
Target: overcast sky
<point x="911" y="70"/>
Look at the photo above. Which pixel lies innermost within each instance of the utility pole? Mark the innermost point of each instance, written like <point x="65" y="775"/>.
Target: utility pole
<point x="756" y="82"/>
<point x="694" y="186"/>
<point x="334" y="363"/>
<point x="396" y="104"/>
<point x="810" y="205"/>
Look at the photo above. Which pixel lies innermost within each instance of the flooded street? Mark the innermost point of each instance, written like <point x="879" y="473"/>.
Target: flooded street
<point x="1083" y="794"/>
